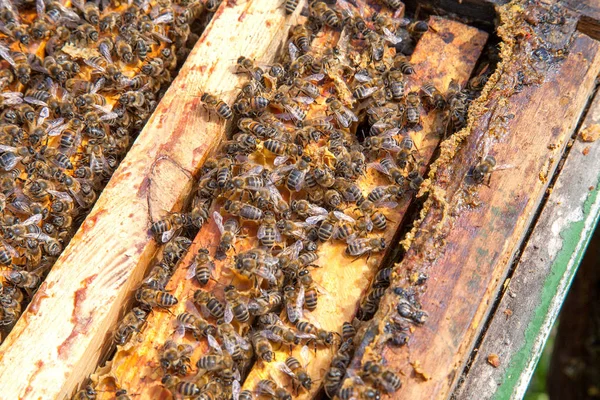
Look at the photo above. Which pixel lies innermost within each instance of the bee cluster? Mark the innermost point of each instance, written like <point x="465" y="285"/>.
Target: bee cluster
<point x="77" y="84"/>
<point x="285" y="183"/>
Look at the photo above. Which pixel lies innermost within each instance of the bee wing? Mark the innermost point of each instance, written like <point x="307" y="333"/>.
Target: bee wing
<point x="293" y="50"/>
<point x="68" y="13"/>
<point x="378" y="167"/>
<point x="39" y="236"/>
<point x="316" y="210"/>
<point x="362" y="76"/>
<point x="391" y="36"/>
<point x="12" y="98"/>
<point x="60" y="195"/>
<point x="285" y="369"/>
<point x="98" y="85"/>
<point x="300" y="300"/>
<point x="305" y="355"/>
<point x="13" y="252"/>
<point x="218" y="218"/>
<point x="315" y="77"/>
<point x="228" y="316"/>
<point x="304" y="99"/>
<point x="368" y="92"/>
<point x="229" y="344"/>
<point x="166" y="236"/>
<point x="165" y="18"/>
<point x="40" y="8"/>
<point x="212" y="342"/>
<point x="269" y="334"/>
<point x="191" y="270"/>
<point x="300" y="182"/>
<point x="277" y="175"/>
<point x="5" y="53"/>
<point x="235" y="389"/>
<point x="294" y="250"/>
<point x="280" y="160"/>
<point x="255" y="170"/>
<point x="57" y="130"/>
<point x="105" y="51"/>
<point x="34" y="219"/>
<point x="44" y="113"/>
<point x="262" y="232"/>
<point x="343" y="216"/>
<point x="161" y="37"/>
<point x="390" y="132"/>
<point x="343" y="119"/>
<point x="94" y="65"/>
<point x="315" y="219"/>
<point x="6" y="148"/>
<point x="387" y="204"/>
<point x="503" y="166"/>
<point x="33" y="100"/>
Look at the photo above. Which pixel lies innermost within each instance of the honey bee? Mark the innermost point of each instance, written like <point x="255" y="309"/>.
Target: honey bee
<point x="256" y="128"/>
<point x="485" y="168"/>
<point x="132" y="99"/>
<point x="402" y="64"/>
<point x="265" y="303"/>
<point x="24" y="279"/>
<point x="196" y="324"/>
<point x="294" y="300"/>
<point x="214" y="362"/>
<point x="417" y="29"/>
<point x="333" y="381"/>
<point x="267" y="387"/>
<point x="89" y="393"/>
<point x="268" y="233"/>
<point x="413" y="102"/>
<point x="294" y="111"/>
<point x="293" y="368"/>
<point x="133" y="321"/>
<point x="290" y="6"/>
<point x="175" y="357"/>
<point x="211" y="103"/>
<point x="360" y="246"/>
<point x="235" y="306"/>
<point x="282" y="149"/>
<point x="432" y="97"/>
<point x="209" y="303"/>
<point x="155" y="298"/>
<point x="244" y="210"/>
<point x="300" y="38"/>
<point x="294" y="174"/>
<point x="383" y="378"/>
<point x="19" y="62"/>
<point x="109" y="21"/>
<point x="202" y="267"/>
<point x="322" y="12"/>
<point x="262" y="346"/>
<point x="166" y="227"/>
<point x="124" y="51"/>
<point x="344" y="116"/>
<point x="178" y="387"/>
<point x="394" y="80"/>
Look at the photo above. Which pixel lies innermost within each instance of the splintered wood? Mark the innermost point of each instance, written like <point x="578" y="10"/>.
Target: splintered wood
<point x="469" y="232"/>
<point x="93" y="280"/>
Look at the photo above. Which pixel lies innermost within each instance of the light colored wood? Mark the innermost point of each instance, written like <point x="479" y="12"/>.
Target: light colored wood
<point x="95" y="277"/>
<point x="345" y="278"/>
<point x="468" y="234"/>
<point x="532" y="298"/>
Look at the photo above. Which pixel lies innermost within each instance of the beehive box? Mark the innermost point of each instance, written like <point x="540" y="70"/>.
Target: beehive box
<point x="420" y="317"/>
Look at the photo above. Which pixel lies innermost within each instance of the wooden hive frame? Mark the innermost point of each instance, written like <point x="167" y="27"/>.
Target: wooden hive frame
<point x="83" y="304"/>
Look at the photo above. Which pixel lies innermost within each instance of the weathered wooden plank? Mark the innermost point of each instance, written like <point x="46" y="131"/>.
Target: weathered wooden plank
<point x="469" y="233"/>
<point x="589" y="12"/>
<point x="449" y="51"/>
<point x="533" y="296"/>
<point x="85" y="292"/>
